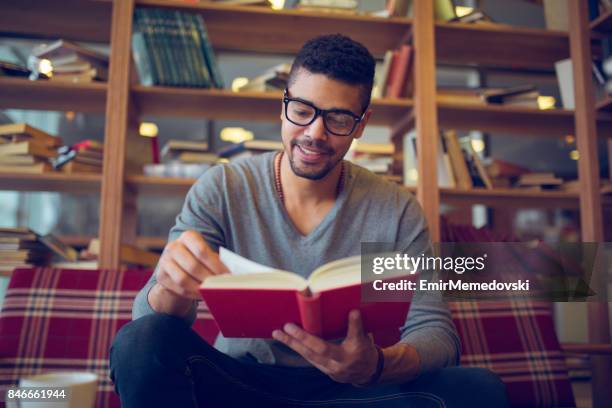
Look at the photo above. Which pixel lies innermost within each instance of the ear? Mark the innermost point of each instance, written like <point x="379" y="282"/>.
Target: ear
<point x="362" y="124"/>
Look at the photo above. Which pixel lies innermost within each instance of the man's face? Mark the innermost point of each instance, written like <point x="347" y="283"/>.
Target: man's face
<point x="312" y="150"/>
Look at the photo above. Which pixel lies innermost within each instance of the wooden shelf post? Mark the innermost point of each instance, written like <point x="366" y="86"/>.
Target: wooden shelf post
<point x="426" y="115"/>
<point x="590" y="197"/>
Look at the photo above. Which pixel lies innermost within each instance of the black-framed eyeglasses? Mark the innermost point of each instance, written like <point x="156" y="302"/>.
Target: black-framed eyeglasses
<point x="338" y="122"/>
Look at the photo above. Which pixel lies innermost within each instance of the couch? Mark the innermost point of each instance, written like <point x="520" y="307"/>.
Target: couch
<point x="64" y="319"/>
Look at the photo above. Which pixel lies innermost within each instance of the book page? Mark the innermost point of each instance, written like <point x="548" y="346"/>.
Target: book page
<point x="239" y="265"/>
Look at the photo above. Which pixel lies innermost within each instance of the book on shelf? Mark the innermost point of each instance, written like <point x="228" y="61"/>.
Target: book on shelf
<point x="69" y="62"/>
<point x="272" y="79"/>
<point x="444" y="10"/>
<point x="13" y="70"/>
<point x="319" y="304"/>
<point x="22" y="247"/>
<point x="375" y="157"/>
<point x="172" y="48"/>
<point x="399" y="8"/>
<point x="400" y="72"/>
<point x="37" y="168"/>
<point x="27" y="147"/>
<point x="177" y="145"/>
<point x="128" y="254"/>
<point x="457" y="161"/>
<point x="249" y="148"/>
<point x="480" y="168"/>
<point x="445" y="171"/>
<point x="504" y="169"/>
<point x="381" y="75"/>
<point x="86" y="156"/>
<point x="176" y="169"/>
<point x="475" y="16"/>
<point x="556" y="15"/>
<point x="243" y="2"/>
<point x="20" y="132"/>
<point x="518" y="95"/>
<point x="542" y="179"/>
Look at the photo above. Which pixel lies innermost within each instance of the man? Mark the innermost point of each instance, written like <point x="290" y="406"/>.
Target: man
<point x="294" y="210"/>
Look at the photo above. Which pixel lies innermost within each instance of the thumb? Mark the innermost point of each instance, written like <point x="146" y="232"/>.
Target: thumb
<point x="355" y="325"/>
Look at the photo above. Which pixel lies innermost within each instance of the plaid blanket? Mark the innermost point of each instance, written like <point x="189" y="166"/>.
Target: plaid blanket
<point x="65" y="319"/>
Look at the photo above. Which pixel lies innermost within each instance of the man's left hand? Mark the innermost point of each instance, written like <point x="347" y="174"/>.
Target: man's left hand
<point x="353" y="361"/>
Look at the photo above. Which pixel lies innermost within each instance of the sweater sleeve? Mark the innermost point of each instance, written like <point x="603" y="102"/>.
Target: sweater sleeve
<point x="202" y="212"/>
<point x="428" y="327"/>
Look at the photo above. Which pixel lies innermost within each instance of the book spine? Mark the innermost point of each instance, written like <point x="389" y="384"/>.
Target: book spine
<point x="310" y="313"/>
<point x="196" y="50"/>
<point x="153" y="46"/>
<point x="211" y="61"/>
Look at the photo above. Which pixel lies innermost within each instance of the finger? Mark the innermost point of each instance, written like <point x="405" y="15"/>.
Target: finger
<point x="203" y="253"/>
<point x="189" y="263"/>
<point x="314" y="343"/>
<point x="355" y="325"/>
<point x="321" y="361"/>
<point x="175" y="279"/>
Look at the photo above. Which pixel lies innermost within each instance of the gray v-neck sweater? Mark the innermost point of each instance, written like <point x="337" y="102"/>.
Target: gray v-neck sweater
<point x="236" y="206"/>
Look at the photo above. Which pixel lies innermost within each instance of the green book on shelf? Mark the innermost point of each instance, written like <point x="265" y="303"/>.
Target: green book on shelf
<point x="211" y="61"/>
<point x="196" y="56"/>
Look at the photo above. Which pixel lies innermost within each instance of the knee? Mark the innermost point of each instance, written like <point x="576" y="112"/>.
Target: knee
<point x="142" y="343"/>
<point x="480" y="386"/>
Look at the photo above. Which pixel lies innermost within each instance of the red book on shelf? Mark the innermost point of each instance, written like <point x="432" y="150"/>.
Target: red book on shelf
<point x="399" y="74"/>
<point x="253" y="304"/>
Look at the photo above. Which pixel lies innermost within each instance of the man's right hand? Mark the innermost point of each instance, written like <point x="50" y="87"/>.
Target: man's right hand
<point x="184" y="264"/>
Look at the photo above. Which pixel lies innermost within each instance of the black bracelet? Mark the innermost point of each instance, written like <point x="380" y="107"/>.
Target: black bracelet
<point x="380" y="365"/>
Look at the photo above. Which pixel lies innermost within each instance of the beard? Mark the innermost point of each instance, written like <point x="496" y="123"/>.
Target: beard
<point x="308" y="171"/>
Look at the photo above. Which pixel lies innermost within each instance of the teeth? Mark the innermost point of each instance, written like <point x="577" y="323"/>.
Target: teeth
<point x="309" y="151"/>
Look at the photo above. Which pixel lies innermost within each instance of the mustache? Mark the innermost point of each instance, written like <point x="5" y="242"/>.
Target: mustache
<point x="314" y="144"/>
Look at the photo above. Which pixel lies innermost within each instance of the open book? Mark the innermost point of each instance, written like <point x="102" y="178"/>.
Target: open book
<point x="254" y="300"/>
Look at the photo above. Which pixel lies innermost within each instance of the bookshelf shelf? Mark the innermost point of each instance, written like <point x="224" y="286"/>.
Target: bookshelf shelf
<point x="512" y="119"/>
<point x="605" y="105"/>
<point x="80" y="20"/>
<point x="225" y="104"/>
<point x="603" y="23"/>
<point x="19" y="93"/>
<point x="55" y="182"/>
<point x="500" y="45"/>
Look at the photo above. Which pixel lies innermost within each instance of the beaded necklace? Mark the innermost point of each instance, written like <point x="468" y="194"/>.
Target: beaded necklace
<point x="279" y="186"/>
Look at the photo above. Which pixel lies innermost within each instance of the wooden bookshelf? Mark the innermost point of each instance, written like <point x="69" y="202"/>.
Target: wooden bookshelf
<point x="82" y="20"/>
<point x="20" y="93"/>
<point x="602" y="24"/>
<point x="225" y="104"/>
<point x="56" y="182"/>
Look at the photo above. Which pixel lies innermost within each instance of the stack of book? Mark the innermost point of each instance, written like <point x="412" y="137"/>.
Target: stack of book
<point x="172" y="48"/>
<point x="249" y="148"/>
<point x="86" y="156"/>
<point x="376" y="157"/>
<point x="329" y="6"/>
<point x="524" y="95"/>
<point x="182" y="159"/>
<point x="393" y="79"/>
<point x="504" y="174"/>
<point x="273" y="79"/>
<point x="22" y="248"/>
<point x="187" y="151"/>
<point x="538" y="181"/>
<point x="25" y="149"/>
<point x="69" y="62"/>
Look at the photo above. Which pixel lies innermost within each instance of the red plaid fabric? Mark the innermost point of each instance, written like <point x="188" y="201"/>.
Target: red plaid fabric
<point x="62" y="319"/>
<point x="517" y="341"/>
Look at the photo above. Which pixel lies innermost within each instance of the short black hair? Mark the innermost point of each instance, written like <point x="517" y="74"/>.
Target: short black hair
<point x="338" y="57"/>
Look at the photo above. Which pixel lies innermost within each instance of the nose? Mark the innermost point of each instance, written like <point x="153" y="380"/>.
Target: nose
<point x="316" y="130"/>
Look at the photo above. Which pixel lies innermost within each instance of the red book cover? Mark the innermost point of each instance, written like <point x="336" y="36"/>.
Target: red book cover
<point x="254" y="312"/>
<point x="400" y="71"/>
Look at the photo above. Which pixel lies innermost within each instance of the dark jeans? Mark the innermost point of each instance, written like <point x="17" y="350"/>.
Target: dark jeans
<point x="158" y="361"/>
